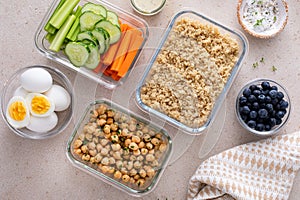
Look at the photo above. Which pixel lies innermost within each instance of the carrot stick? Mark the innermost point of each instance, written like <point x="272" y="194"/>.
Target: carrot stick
<point x="132" y="51"/>
<point x="121" y="53"/>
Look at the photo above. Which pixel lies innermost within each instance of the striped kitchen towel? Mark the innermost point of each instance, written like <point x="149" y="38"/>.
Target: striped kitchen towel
<point x="258" y="170"/>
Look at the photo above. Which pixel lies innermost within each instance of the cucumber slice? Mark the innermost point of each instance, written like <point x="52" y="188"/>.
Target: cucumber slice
<point x="77" y="52"/>
<point x="113" y="18"/>
<point x="96" y="8"/>
<point x="87" y="35"/>
<point x="88" y="19"/>
<point x="113" y="30"/>
<point x="99" y="34"/>
<point x="94" y="57"/>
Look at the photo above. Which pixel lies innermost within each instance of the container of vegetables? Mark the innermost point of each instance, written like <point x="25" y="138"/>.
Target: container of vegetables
<point x="96" y="39"/>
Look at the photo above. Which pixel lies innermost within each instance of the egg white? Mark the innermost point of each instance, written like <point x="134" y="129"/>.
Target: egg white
<point x="60" y="96"/>
<point x="42" y="124"/>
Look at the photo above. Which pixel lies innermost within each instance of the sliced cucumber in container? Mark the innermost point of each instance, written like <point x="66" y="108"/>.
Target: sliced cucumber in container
<point x="113" y="30"/>
<point x="88" y="19"/>
<point x="94" y="57"/>
<point x="87" y="35"/>
<point x="78" y="53"/>
<point x="96" y="8"/>
<point x="99" y="34"/>
<point x="113" y="18"/>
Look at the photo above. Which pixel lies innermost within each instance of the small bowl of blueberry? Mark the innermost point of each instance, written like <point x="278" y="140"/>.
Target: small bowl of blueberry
<point x="263" y="107"/>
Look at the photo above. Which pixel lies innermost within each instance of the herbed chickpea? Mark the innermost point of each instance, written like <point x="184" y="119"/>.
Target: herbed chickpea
<point x="101" y="122"/>
<point x="77" y="151"/>
<point x="86" y="157"/>
<point x="81" y="137"/>
<point x="114" y="127"/>
<point x="89" y="136"/>
<point x="150" y="157"/>
<point x="101" y="109"/>
<point x="132" y="172"/>
<point x="132" y="181"/>
<point x="145" y="130"/>
<point x="93" y="152"/>
<point x="124" y="171"/>
<point x="142" y="173"/>
<point x="77" y="143"/>
<point x="127" y="142"/>
<point x="133" y="146"/>
<point x="136" y="139"/>
<point x="98" y="158"/>
<point x="136" y="152"/>
<point x="104" y="169"/>
<point x="110" y="113"/>
<point x="106" y="129"/>
<point x="92" y="160"/>
<point x="104" y="142"/>
<point x="155" y="141"/>
<point x="150" y="172"/>
<point x="154" y="163"/>
<point x="94" y="114"/>
<point x="132" y="127"/>
<point x="147" y="138"/>
<point x="105" y="161"/>
<point x="90" y="130"/>
<point x="91" y="145"/>
<point x="104" y="152"/>
<point x="111" y="160"/>
<point x="117" y="155"/>
<point x="137" y="164"/>
<point x="162" y="147"/>
<point x="107" y="135"/>
<point x="140" y="182"/>
<point x="149" y="145"/>
<point x="125" y="178"/>
<point x="140" y="158"/>
<point x="84" y="149"/>
<point x="144" y="151"/>
<point x="119" y="164"/>
<point x="115" y="147"/>
<point x="98" y="133"/>
<point x="151" y="151"/>
<point x="117" y="174"/>
<point x="132" y="158"/>
<point x="114" y="139"/>
<point x="129" y="165"/>
<point x="136" y="177"/>
<point x="141" y="144"/>
<point x="99" y="147"/>
<point x="117" y="116"/>
<point x="103" y="116"/>
<point x="109" y="121"/>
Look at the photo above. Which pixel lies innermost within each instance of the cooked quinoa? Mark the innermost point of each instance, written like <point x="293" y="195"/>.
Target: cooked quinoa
<point x="190" y="72"/>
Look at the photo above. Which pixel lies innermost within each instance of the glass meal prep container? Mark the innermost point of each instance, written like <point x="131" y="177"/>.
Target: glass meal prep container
<point x="191" y="71"/>
<point x="134" y="21"/>
<point x="119" y="147"/>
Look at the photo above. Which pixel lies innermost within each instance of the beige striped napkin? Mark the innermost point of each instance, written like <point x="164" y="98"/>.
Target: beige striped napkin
<point x="258" y="170"/>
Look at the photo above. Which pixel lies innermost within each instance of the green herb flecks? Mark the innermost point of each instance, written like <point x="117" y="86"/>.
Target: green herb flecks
<point x="258" y="22"/>
<point x="255" y="65"/>
<point x="274" y="69"/>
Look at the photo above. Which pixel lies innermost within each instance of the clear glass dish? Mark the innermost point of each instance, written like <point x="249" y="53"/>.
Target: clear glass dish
<point x="43" y="45"/>
<point x="276" y="128"/>
<point x="64" y="117"/>
<point x="148" y="8"/>
<point x="123" y="152"/>
<point x="187" y="53"/>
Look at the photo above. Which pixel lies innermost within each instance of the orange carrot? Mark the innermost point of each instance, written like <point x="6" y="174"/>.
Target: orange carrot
<point x="109" y="56"/>
<point x="132" y="51"/>
<point x="122" y="50"/>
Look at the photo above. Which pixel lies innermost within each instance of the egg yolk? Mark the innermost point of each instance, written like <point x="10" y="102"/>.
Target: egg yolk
<point x="40" y="105"/>
<point x="17" y="111"/>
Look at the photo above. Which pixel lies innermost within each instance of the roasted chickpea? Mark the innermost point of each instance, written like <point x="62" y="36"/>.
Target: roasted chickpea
<point x="99" y="147"/>
<point x="101" y="109"/>
<point x="114" y="127"/>
<point x="81" y="137"/>
<point x="137" y="164"/>
<point x="124" y="170"/>
<point x="98" y="158"/>
<point x="141" y="144"/>
<point x="144" y="151"/>
<point x="91" y="145"/>
<point x="145" y="129"/>
<point x="140" y="158"/>
<point x="98" y="133"/>
<point x="136" y="139"/>
<point x="110" y="121"/>
<point x="93" y="152"/>
<point x="162" y="147"/>
<point x="90" y="130"/>
<point x="127" y="142"/>
<point x="132" y="181"/>
<point x="84" y="149"/>
<point x="119" y="164"/>
<point x="136" y="152"/>
<point x="150" y="157"/>
<point x="104" y="116"/>
<point x="106" y="129"/>
<point x="117" y="174"/>
<point x="101" y="122"/>
<point x="133" y="146"/>
<point x="149" y="145"/>
<point x="140" y="182"/>
<point x="129" y="165"/>
<point x="150" y="172"/>
<point x="105" y="161"/>
<point x="147" y="138"/>
<point x="110" y="113"/>
<point x="95" y="140"/>
<point x="132" y="127"/>
<point x="114" y="138"/>
<point x="132" y="158"/>
<point x="111" y="160"/>
<point x="86" y="157"/>
<point x="142" y="173"/>
<point x="77" y="151"/>
<point x="104" y="142"/>
<point x="125" y="178"/>
<point x="104" y="152"/>
<point x="155" y="141"/>
<point x="89" y="137"/>
<point x="115" y="147"/>
<point x="104" y="169"/>
<point x="132" y="172"/>
<point x="151" y="151"/>
<point x="77" y="143"/>
<point x="139" y="134"/>
<point x="117" y="116"/>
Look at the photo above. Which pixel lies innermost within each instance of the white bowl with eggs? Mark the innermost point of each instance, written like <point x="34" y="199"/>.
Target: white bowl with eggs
<point x="37" y="102"/>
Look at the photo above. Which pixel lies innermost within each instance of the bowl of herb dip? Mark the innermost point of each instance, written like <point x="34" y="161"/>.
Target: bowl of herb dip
<point x="262" y="18"/>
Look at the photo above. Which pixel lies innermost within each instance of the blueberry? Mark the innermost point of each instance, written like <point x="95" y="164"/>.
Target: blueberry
<point x="253" y="87"/>
<point x="245" y="110"/>
<point x="275" y="101"/>
<point x="260" y="127"/>
<point x="273" y="94"/>
<point x="261" y="98"/>
<point x="283" y="104"/>
<point x="252" y="98"/>
<point x="272" y="122"/>
<point x="280" y="95"/>
<point x="242" y="100"/>
<point x="244" y="117"/>
<point x="255" y="106"/>
<point x="279" y="115"/>
<point x="265" y="92"/>
<point x="247" y="92"/>
<point x="265" y="85"/>
<point x="272" y="113"/>
<point x="256" y="92"/>
<point x="278" y="121"/>
<point x="253" y="114"/>
<point x="269" y="107"/>
<point x="267" y="127"/>
<point x="251" y="123"/>
<point x="274" y="87"/>
<point x="263" y="113"/>
<point x="268" y="99"/>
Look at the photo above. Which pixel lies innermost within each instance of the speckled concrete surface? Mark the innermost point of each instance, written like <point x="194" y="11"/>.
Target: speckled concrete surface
<point x="40" y="170"/>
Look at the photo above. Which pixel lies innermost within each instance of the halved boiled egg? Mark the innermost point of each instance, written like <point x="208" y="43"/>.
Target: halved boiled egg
<point x="39" y="104"/>
<point x="17" y="112"/>
<point x="43" y="124"/>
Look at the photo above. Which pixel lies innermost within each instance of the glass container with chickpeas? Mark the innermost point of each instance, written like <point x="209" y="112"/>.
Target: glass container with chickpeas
<point x="120" y="147"/>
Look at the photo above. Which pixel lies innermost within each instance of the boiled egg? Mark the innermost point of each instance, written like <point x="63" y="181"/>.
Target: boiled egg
<point x="40" y="105"/>
<point x="17" y="112"/>
<point x="20" y="91"/>
<point x="36" y="80"/>
<point x="60" y="96"/>
<point x="42" y="124"/>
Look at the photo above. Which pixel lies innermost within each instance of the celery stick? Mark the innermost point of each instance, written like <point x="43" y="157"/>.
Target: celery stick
<point x="75" y="24"/>
<point x="48" y="27"/>
<point x="49" y="37"/>
<point x="61" y="34"/>
<point x="74" y="36"/>
<point x="62" y="14"/>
